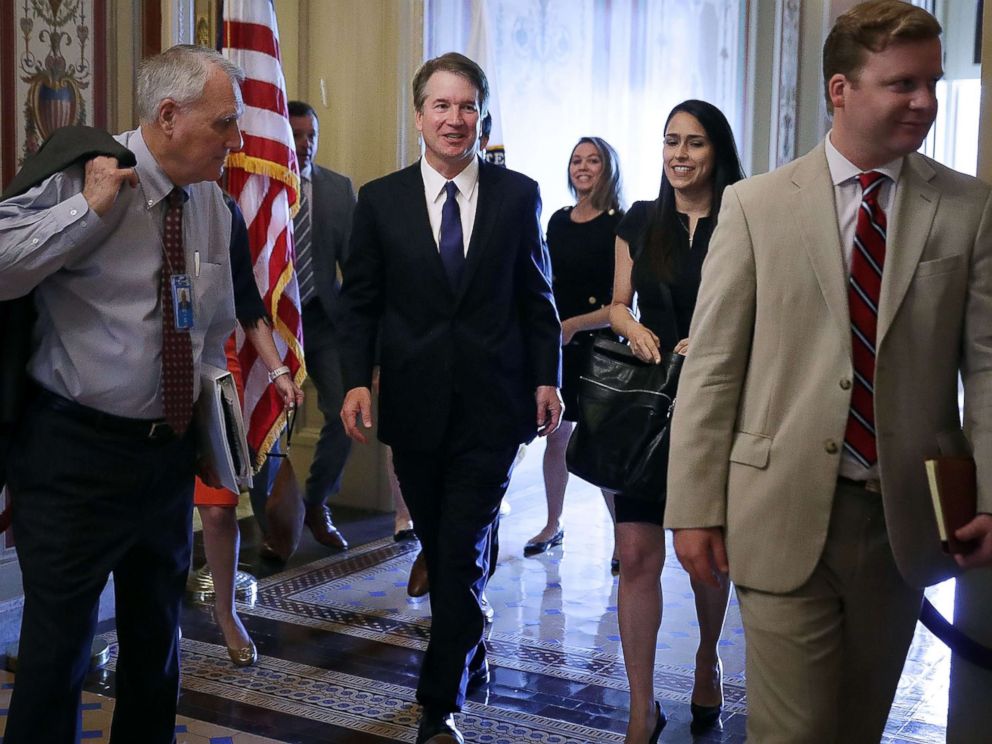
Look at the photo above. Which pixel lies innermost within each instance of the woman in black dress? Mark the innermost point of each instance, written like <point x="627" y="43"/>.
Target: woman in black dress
<point x="660" y="249"/>
<point x="580" y="241"/>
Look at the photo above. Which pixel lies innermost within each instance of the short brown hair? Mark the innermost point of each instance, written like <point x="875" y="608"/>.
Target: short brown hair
<point x="871" y="27"/>
<point x="455" y="63"/>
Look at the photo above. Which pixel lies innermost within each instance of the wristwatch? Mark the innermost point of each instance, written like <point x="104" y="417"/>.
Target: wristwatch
<point x="278" y="372"/>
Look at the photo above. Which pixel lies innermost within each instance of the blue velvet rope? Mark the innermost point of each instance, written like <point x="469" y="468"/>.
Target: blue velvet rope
<point x="959" y="643"/>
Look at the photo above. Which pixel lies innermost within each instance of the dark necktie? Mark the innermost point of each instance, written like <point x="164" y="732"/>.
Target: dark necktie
<point x="303" y="237"/>
<point x="177" y="349"/>
<point x="451" y="243"/>
<point x="864" y="290"/>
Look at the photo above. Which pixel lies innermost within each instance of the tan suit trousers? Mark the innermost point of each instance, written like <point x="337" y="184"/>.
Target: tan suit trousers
<point x="824" y="661"/>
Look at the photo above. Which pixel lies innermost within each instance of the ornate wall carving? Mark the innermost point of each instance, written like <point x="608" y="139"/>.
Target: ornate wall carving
<point x="52" y="70"/>
<point x="785" y="83"/>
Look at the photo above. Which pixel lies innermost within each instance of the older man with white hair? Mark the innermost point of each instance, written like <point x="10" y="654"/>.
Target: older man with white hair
<point x="109" y="252"/>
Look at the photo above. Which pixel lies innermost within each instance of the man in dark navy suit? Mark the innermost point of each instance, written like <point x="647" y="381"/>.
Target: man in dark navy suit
<point x="448" y="268"/>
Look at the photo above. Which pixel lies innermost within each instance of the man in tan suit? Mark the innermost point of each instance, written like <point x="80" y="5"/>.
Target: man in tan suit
<point x="841" y="296"/>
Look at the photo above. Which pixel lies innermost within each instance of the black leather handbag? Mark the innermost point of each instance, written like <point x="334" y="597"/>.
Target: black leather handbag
<point x="620" y="441"/>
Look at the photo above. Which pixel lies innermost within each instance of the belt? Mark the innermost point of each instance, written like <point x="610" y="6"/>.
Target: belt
<point x="872" y="485"/>
<point x="152" y="429"/>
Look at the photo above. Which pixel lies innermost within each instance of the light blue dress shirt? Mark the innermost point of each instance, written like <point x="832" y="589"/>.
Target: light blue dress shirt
<point x="98" y="339"/>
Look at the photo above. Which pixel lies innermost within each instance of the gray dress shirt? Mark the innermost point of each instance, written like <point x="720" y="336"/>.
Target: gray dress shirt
<point x="98" y="339"/>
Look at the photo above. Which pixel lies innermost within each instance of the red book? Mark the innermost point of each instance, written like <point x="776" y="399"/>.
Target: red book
<point x="953" y="487"/>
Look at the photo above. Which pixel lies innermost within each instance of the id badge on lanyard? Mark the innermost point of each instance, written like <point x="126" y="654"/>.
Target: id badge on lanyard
<point x="182" y="301"/>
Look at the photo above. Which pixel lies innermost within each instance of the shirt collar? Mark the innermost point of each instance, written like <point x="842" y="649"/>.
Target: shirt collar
<point x="155" y="184"/>
<point x="307" y="173"/>
<point x="434" y="182"/>
<point x="843" y="170"/>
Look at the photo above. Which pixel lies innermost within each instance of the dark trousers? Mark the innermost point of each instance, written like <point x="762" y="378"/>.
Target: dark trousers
<point x="324" y="368"/>
<point x="454" y="494"/>
<point x="88" y="502"/>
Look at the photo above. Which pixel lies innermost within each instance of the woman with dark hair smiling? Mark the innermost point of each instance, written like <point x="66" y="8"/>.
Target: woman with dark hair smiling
<point x="580" y="241"/>
<point x="660" y="249"/>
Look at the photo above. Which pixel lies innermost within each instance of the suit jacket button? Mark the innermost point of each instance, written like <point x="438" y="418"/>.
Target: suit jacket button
<point x="592" y="300"/>
<point x="845" y="384"/>
<point x="831" y="447"/>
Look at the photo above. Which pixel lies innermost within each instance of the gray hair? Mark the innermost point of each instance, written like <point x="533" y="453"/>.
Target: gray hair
<point x="179" y="73"/>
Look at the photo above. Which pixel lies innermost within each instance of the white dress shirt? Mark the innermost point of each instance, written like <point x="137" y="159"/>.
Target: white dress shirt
<point x="847" y="194"/>
<point x="847" y="200"/>
<point x="468" y="197"/>
<point x="306" y="181"/>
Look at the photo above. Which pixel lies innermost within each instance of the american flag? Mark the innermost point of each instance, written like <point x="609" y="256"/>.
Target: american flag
<point x="264" y="178"/>
<point x="480" y="49"/>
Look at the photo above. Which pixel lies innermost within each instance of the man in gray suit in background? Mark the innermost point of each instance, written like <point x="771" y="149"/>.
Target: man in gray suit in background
<point x="321" y="228"/>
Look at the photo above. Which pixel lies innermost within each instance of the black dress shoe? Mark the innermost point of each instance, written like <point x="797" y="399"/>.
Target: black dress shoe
<point x="438" y="729"/>
<point x="404" y="535"/>
<point x="540" y="546"/>
<point x="488" y="613"/>
<point x="615" y="566"/>
<point x="704" y="717"/>
<point x="478" y="678"/>
<point x="269" y="553"/>
<point x="659" y="726"/>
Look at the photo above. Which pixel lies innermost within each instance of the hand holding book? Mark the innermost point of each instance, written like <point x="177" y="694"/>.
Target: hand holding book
<point x="953" y="487"/>
<point x="977" y="533"/>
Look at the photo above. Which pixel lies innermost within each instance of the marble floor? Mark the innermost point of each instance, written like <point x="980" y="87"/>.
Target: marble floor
<point x="340" y="644"/>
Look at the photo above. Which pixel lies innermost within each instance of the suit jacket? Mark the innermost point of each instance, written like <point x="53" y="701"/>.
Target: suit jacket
<point x="332" y="208"/>
<point x="764" y="396"/>
<point x="492" y="340"/>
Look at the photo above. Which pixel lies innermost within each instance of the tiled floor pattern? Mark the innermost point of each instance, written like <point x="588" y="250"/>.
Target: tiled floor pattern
<point x="96" y="712"/>
<point x="354" y="702"/>
<point x="341" y="642"/>
<point x="363" y="595"/>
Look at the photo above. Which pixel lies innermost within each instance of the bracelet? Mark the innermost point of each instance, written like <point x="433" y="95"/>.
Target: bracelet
<point x="278" y="372"/>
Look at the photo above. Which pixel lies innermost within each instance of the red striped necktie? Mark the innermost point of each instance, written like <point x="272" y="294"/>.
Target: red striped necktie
<point x="864" y="290"/>
<point x="177" y="348"/>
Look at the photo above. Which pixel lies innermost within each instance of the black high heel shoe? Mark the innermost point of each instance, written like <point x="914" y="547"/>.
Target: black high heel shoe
<point x="536" y="547"/>
<point x="704" y="717"/>
<point x="660" y="726"/>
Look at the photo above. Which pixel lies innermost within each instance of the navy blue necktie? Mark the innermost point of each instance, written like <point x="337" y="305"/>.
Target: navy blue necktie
<point x="450" y="243"/>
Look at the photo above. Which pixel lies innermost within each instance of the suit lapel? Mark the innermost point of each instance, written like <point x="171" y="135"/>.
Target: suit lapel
<point x="815" y="217"/>
<point x="909" y="225"/>
<point x="412" y="207"/>
<point x="486" y="212"/>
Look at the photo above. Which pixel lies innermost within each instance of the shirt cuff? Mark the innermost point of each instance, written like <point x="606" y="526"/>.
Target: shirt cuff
<point x="74" y="221"/>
